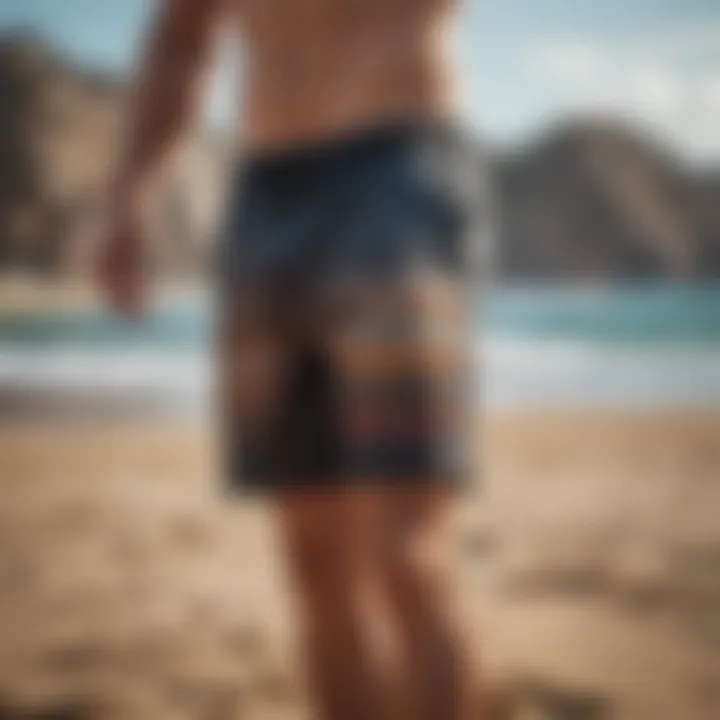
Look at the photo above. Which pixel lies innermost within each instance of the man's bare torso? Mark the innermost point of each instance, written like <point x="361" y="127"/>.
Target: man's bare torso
<point x="316" y="69"/>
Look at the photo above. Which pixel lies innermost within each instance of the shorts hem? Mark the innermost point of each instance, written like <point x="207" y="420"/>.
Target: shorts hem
<point x="263" y="486"/>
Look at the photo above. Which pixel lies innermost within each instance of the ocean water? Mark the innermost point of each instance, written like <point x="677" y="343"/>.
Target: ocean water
<point x="633" y="347"/>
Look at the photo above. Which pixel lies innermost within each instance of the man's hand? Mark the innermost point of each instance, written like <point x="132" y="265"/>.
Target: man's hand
<point x="122" y="267"/>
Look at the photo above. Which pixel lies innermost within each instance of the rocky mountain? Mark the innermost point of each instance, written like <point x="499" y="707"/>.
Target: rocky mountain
<point x="591" y="200"/>
<point x="59" y="130"/>
<point x="598" y="200"/>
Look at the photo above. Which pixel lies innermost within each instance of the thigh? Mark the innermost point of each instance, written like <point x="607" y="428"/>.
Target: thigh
<point x="329" y="539"/>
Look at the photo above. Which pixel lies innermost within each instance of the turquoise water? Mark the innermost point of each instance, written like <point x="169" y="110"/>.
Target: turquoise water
<point x="681" y="314"/>
<point x="631" y="346"/>
<point x="650" y="314"/>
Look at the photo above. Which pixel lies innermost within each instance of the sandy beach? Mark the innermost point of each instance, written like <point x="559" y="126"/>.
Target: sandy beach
<point x="131" y="587"/>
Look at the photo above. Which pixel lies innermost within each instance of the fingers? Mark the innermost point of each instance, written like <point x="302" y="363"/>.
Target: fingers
<point x="126" y="298"/>
<point x="121" y="276"/>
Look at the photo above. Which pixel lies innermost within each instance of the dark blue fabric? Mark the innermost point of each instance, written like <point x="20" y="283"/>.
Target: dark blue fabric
<point x="360" y="207"/>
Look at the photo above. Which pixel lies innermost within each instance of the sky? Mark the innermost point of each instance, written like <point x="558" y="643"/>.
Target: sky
<point x="524" y="63"/>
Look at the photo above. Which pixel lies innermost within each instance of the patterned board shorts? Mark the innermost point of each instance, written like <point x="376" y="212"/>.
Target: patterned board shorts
<point x="347" y="276"/>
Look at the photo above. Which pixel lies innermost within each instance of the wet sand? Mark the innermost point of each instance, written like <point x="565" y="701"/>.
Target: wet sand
<point x="131" y="588"/>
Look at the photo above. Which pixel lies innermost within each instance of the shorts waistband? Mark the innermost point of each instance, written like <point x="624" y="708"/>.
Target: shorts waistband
<point x="360" y="142"/>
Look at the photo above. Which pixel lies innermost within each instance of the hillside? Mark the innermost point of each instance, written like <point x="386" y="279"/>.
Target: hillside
<point x="59" y="130"/>
<point x="597" y="200"/>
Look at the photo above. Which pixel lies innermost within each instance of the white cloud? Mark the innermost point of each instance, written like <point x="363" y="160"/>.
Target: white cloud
<point x="710" y="91"/>
<point x="656" y="89"/>
<point x="670" y="81"/>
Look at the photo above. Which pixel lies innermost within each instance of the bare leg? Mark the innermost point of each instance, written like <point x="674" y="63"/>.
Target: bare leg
<point x="419" y="587"/>
<point x="328" y="538"/>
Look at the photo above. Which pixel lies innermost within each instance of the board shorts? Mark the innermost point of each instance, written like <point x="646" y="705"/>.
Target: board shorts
<point x="347" y="280"/>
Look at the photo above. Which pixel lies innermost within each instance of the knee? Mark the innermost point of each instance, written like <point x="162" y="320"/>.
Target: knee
<point x="416" y="577"/>
<point x="324" y="578"/>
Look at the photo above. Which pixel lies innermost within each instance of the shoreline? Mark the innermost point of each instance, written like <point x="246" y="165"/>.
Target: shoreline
<point x="162" y="406"/>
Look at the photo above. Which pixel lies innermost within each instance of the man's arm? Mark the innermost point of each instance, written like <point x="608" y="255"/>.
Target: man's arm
<point x="164" y="100"/>
<point x="167" y="90"/>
